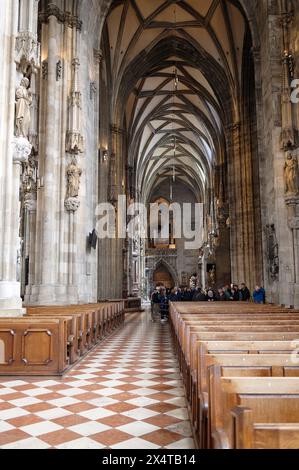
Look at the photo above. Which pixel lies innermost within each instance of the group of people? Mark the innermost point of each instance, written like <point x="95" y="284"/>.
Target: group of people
<point x="161" y="297"/>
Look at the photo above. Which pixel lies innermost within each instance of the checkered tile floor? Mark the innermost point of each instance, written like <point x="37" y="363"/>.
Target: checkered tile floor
<point x="127" y="394"/>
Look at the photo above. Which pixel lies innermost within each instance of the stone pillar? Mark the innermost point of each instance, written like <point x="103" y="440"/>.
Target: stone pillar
<point x="55" y="277"/>
<point x="235" y="202"/>
<point x="14" y="152"/>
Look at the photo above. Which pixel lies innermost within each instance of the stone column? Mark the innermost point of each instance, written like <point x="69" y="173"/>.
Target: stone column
<point x="292" y="203"/>
<point x="55" y="279"/>
<point x="14" y="151"/>
<point x="235" y="202"/>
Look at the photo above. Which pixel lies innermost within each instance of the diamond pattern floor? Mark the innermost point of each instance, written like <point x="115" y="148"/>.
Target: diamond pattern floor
<point x="127" y="394"/>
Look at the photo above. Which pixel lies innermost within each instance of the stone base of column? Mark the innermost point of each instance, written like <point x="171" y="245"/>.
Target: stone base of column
<point x="10" y="300"/>
<point x="51" y="295"/>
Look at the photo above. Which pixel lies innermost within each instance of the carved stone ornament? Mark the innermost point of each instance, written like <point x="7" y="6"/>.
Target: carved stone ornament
<point x="23" y="104"/>
<point x="22" y="150"/>
<point x="27" y="51"/>
<point x="291" y="175"/>
<point x="287" y="138"/>
<point x="29" y="180"/>
<point x="74" y="142"/>
<point x="72" y="204"/>
<point x="293" y="223"/>
<point x="73" y="179"/>
<point x="272" y="252"/>
<point x="292" y="202"/>
<point x="98" y="55"/>
<point x="63" y="17"/>
<point x="30" y="202"/>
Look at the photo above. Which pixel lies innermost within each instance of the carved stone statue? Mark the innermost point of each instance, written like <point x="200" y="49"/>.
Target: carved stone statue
<point x="23" y="103"/>
<point x="29" y="176"/>
<point x="73" y="179"/>
<point x="212" y="276"/>
<point x="291" y="174"/>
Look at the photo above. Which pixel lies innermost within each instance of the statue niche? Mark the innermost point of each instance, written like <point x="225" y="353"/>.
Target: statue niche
<point x="291" y="175"/>
<point x="73" y="180"/>
<point x="73" y="173"/>
<point x="23" y="103"/>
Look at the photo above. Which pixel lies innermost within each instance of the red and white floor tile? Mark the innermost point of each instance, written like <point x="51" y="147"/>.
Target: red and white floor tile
<point x="126" y="394"/>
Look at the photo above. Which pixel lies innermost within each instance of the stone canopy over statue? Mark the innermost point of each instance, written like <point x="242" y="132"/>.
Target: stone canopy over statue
<point x="291" y="175"/>
<point x="23" y="103"/>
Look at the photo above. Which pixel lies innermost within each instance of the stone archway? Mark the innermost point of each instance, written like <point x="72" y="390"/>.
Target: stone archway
<point x="162" y="277"/>
<point x="169" y="272"/>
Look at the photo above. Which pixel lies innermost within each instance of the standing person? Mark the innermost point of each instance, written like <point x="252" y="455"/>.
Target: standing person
<point x="189" y="295"/>
<point x="228" y="293"/>
<point x="220" y="297"/>
<point x="259" y="295"/>
<point x="173" y="297"/>
<point x="184" y="294"/>
<point x="245" y="293"/>
<point x="199" y="296"/>
<point x="211" y="296"/>
<point x="163" y="305"/>
<point x="179" y="294"/>
<point x="155" y="304"/>
<point x="235" y="296"/>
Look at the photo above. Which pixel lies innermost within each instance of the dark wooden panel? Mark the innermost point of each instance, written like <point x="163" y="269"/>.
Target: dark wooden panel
<point x="7" y="346"/>
<point x="37" y="347"/>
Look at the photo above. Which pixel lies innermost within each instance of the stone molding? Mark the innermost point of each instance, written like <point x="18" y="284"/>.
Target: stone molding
<point x="292" y="202"/>
<point x="116" y="130"/>
<point x="98" y="55"/>
<point x="74" y="142"/>
<point x="22" y="150"/>
<point x="65" y="17"/>
<point x="27" y="51"/>
<point x="72" y="204"/>
<point x="30" y="202"/>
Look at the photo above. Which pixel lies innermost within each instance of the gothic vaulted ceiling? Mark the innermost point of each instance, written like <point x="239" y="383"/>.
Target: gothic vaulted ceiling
<point x="176" y="73"/>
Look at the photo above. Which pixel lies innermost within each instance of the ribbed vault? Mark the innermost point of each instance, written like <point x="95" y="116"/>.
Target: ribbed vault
<point x="175" y="71"/>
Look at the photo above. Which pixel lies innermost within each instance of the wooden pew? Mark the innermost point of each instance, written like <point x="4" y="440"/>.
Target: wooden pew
<point x="250" y="435"/>
<point x="235" y="365"/>
<point x="34" y="346"/>
<point x="83" y="327"/>
<point x="257" y="329"/>
<point x="272" y="401"/>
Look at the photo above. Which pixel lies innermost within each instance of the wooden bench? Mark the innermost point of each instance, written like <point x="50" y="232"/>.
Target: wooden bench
<point x="84" y="326"/>
<point x="34" y="346"/>
<point x="234" y="365"/>
<point x="240" y="339"/>
<point x="243" y="410"/>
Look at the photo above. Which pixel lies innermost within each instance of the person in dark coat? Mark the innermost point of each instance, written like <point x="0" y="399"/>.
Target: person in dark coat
<point x="228" y="293"/>
<point x="220" y="297"/>
<point x="244" y="293"/>
<point x="259" y="295"/>
<point x="211" y="297"/>
<point x="174" y="296"/>
<point x="163" y="305"/>
<point x="235" y="293"/>
<point x="199" y="296"/>
<point x="155" y="304"/>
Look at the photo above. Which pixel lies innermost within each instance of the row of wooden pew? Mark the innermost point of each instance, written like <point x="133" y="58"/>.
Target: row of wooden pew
<point x="240" y="367"/>
<point x="49" y="340"/>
